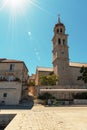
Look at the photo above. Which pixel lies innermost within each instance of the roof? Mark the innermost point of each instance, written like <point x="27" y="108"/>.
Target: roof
<point x="10" y="61"/>
<point x="59" y="24"/>
<point x="1" y="59"/>
<point x="74" y="64"/>
<point x="45" y="69"/>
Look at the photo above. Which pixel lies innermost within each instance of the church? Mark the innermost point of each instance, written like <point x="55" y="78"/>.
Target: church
<point x="68" y="72"/>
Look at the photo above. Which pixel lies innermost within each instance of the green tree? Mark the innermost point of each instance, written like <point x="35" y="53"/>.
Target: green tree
<point x="31" y="83"/>
<point x="83" y="76"/>
<point x="43" y="80"/>
<point x="48" y="80"/>
<point x="52" y="79"/>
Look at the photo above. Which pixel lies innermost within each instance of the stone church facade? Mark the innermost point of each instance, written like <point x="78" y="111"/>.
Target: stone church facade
<point x="67" y="71"/>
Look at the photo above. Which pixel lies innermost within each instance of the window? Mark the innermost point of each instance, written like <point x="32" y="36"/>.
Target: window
<point x="1" y="77"/>
<point x="4" y="94"/>
<point x="11" y="67"/>
<point x="63" y="41"/>
<point x="3" y="102"/>
<point x="62" y="52"/>
<point x="11" y="77"/>
<point x="61" y="30"/>
<point x="57" y="30"/>
<point x="59" y="41"/>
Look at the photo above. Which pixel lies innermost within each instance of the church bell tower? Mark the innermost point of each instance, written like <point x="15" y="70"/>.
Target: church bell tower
<point x="60" y="53"/>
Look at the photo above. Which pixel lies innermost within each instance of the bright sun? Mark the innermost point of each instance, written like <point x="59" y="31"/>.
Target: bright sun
<point x="16" y="5"/>
<point x="19" y="6"/>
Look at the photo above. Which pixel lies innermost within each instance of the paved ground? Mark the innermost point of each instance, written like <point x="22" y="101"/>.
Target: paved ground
<point x="48" y="118"/>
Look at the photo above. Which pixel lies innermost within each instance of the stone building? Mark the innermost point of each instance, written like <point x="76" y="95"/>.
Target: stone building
<point x="42" y="71"/>
<point x="13" y="81"/>
<point x="66" y="70"/>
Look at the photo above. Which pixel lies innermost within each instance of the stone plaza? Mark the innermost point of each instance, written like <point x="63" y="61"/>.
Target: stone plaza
<point x="48" y="118"/>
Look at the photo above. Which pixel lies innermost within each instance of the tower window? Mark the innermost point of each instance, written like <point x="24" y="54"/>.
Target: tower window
<point x="61" y="30"/>
<point x="63" y="41"/>
<point x="57" y="30"/>
<point x="59" y="41"/>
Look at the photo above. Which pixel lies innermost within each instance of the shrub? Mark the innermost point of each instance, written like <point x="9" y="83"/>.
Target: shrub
<point x="46" y="96"/>
<point x="80" y="95"/>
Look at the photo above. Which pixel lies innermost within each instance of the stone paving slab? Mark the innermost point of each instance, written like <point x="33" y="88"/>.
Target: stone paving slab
<point x="48" y="118"/>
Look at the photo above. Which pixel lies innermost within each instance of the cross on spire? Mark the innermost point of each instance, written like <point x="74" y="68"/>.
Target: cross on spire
<point x="58" y="18"/>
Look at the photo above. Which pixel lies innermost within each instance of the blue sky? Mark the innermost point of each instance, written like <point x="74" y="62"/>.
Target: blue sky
<point x="27" y="31"/>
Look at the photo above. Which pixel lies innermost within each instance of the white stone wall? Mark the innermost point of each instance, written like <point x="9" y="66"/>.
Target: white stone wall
<point x="13" y="90"/>
<point x="60" y="95"/>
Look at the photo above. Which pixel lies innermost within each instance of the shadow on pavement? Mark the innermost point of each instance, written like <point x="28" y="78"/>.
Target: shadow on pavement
<point x="24" y="104"/>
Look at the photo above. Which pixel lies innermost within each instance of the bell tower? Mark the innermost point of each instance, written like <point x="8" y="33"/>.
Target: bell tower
<point x="60" y="53"/>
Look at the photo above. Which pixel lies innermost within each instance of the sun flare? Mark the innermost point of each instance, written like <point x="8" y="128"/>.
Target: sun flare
<point x="16" y="5"/>
<point x="19" y="6"/>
